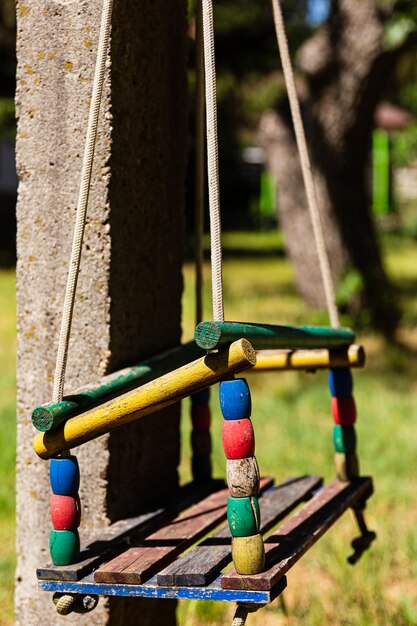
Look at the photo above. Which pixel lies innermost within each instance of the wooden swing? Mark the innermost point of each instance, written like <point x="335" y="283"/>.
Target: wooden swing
<point x="150" y="555"/>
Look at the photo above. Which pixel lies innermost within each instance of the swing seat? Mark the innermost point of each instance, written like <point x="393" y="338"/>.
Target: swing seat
<point x="144" y="556"/>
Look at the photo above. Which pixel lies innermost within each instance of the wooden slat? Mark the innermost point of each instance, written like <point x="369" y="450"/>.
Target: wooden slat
<point x="139" y="563"/>
<point x="120" y="534"/>
<point x="296" y="535"/>
<point x="150" y="589"/>
<point x="203" y="563"/>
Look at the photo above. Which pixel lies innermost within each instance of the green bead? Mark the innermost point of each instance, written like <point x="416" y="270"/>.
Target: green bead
<point x="244" y="516"/>
<point x="64" y="546"/>
<point x="344" y="439"/>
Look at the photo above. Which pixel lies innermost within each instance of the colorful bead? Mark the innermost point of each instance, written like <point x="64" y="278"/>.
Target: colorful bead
<point x="344" y="411"/>
<point x="341" y="382"/>
<point x="344" y="439"/>
<point x="243" y="477"/>
<point x="64" y="546"/>
<point x="347" y="466"/>
<point x="244" y="516"/>
<point x="201" y="398"/>
<point x="201" y="442"/>
<point x="238" y="438"/>
<point x="200" y="416"/>
<point x="65" y="512"/>
<point x="64" y="475"/>
<point x="201" y="468"/>
<point x="248" y="554"/>
<point x="235" y="399"/>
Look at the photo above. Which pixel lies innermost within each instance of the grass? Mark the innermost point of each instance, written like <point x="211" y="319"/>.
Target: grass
<point x="7" y="442"/>
<point x="293" y="428"/>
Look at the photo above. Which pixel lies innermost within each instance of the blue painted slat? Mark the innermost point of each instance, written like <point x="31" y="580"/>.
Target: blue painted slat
<point x="152" y="590"/>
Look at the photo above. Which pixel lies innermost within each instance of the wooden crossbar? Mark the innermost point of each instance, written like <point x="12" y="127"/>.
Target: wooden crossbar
<point x="213" y="335"/>
<point x="301" y="531"/>
<point x="149" y="398"/>
<point x="51" y="415"/>
<point x="272" y="360"/>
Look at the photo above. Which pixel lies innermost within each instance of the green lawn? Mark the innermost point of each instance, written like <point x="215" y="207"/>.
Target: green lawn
<point x="7" y="441"/>
<point x="293" y="428"/>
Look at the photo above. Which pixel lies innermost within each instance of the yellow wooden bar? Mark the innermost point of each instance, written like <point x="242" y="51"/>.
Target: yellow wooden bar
<point x="149" y="398"/>
<point x="269" y="360"/>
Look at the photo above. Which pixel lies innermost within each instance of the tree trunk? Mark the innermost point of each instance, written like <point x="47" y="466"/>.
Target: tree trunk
<point x="129" y="294"/>
<point x="345" y="69"/>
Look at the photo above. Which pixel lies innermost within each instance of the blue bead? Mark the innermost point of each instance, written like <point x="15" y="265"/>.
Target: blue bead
<point x="201" y="397"/>
<point x="341" y="382"/>
<point x="235" y="399"/>
<point x="64" y="475"/>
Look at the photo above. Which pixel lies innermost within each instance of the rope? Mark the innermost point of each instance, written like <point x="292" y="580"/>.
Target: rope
<point x="87" y="165"/>
<point x="199" y="164"/>
<point x="213" y="162"/>
<point x="64" y="604"/>
<point x="305" y="165"/>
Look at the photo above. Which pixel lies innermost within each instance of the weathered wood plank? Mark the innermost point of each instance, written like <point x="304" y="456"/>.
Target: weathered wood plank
<point x="121" y="533"/>
<point x="296" y="535"/>
<point x="147" y="399"/>
<point x="211" y="335"/>
<point x="139" y="563"/>
<point x="203" y="563"/>
<point x="150" y="589"/>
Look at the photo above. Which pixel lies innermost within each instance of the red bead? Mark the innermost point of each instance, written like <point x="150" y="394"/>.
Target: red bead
<point x="344" y="411"/>
<point x="238" y="438"/>
<point x="65" y="512"/>
<point x="200" y="417"/>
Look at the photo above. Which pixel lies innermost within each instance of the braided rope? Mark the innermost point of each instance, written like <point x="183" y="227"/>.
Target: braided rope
<point x="87" y="165"/>
<point x="213" y="162"/>
<point x="199" y="163"/>
<point x="305" y="165"/>
<point x="64" y="604"/>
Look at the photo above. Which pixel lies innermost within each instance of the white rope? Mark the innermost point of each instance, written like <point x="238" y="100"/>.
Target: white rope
<point x="213" y="162"/>
<point x="199" y="163"/>
<point x="62" y="355"/>
<point x="305" y="165"/>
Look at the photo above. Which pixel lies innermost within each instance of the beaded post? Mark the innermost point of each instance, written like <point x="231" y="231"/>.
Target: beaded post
<point x="200" y="436"/>
<point x="344" y="415"/>
<point x="242" y="472"/>
<point x="65" y="509"/>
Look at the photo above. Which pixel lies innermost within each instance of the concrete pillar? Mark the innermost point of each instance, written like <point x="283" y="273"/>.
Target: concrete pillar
<point x="128" y="299"/>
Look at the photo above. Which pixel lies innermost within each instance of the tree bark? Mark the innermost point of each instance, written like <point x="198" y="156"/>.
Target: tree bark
<point x="345" y="69"/>
<point x="129" y="294"/>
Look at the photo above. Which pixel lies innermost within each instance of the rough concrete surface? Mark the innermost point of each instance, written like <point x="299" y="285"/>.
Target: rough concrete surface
<point x="128" y="298"/>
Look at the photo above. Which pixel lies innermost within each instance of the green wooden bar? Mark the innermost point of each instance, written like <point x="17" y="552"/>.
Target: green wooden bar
<point x="49" y="416"/>
<point x="211" y="335"/>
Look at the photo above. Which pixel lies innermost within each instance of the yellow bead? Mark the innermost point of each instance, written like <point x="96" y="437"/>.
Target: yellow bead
<point x="248" y="554"/>
<point x="347" y="466"/>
